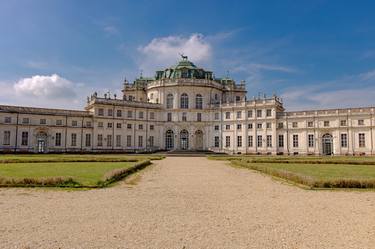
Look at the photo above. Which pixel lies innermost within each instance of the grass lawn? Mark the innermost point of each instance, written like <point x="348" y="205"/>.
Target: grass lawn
<point x="69" y="169"/>
<point x="315" y="172"/>
<point x="86" y="173"/>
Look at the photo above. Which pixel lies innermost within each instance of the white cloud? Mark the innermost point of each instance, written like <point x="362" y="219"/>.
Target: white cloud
<point x="111" y="30"/>
<point x="47" y="87"/>
<point x="370" y="75"/>
<point x="164" y="51"/>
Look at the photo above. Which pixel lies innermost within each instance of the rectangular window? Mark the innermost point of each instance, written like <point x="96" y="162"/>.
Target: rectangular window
<point x="268" y="125"/>
<point x="259" y="141"/>
<point x="259" y="113"/>
<point x="269" y="113"/>
<point x="58" y="139"/>
<point x="216" y="116"/>
<point x="311" y="140"/>
<point x="109" y="140"/>
<point x="130" y="114"/>
<point x="216" y="128"/>
<point x="227" y="141"/>
<point x="239" y="141"/>
<point x="361" y="122"/>
<point x="280" y="125"/>
<point x="6" y="140"/>
<point x="73" y="139"/>
<point x="361" y="140"/>
<point x="118" y="125"/>
<point x="250" y="142"/>
<point x="128" y="141"/>
<point x="152" y="115"/>
<point x="239" y="114"/>
<point x="259" y="126"/>
<point x="88" y="140"/>
<point x="100" y="140"/>
<point x="281" y="141"/>
<point x="294" y="124"/>
<point x="151" y="139"/>
<point x="344" y="140"/>
<point x="25" y="138"/>
<point x="43" y="121"/>
<point x="119" y="113"/>
<point x="239" y="126"/>
<point x="199" y="117"/>
<point x="295" y="141"/>
<point x="238" y="98"/>
<point x="227" y="127"/>
<point x="216" y="141"/>
<point x="109" y="125"/>
<point x="110" y="112"/>
<point x="100" y="112"/>
<point x="100" y="124"/>
<point x="169" y="117"/>
<point x="227" y="115"/>
<point x="250" y="126"/>
<point x="88" y="124"/>
<point x="118" y="140"/>
<point x="140" y="141"/>
<point x="310" y="124"/>
<point x="343" y="122"/>
<point x="74" y="123"/>
<point x="25" y="121"/>
<point x="250" y="114"/>
<point x="140" y="127"/>
<point x="129" y="126"/>
<point x="326" y="123"/>
<point x="152" y="127"/>
<point x="7" y="120"/>
<point x="269" y="140"/>
<point x="140" y="115"/>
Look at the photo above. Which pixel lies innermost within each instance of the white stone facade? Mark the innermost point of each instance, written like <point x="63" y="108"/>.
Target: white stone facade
<point x="186" y="108"/>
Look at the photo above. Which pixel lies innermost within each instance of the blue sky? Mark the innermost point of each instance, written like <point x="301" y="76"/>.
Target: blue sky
<point x="314" y="54"/>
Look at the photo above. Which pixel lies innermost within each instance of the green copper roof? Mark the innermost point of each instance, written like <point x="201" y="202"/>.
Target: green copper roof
<point x="185" y="63"/>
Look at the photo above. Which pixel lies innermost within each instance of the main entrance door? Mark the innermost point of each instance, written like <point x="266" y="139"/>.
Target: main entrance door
<point x="184" y="140"/>
<point x="199" y="140"/>
<point x="327" y="144"/>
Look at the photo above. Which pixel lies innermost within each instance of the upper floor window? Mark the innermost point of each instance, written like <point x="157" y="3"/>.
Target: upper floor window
<point x="343" y="122"/>
<point x="119" y="113"/>
<point x="43" y="121"/>
<point x="199" y="117"/>
<point x="326" y="123"/>
<point x="140" y="115"/>
<point x="199" y="101"/>
<point x="100" y="112"/>
<point x="7" y="120"/>
<point x="250" y="114"/>
<point x="130" y="114"/>
<point x="216" y="116"/>
<point x="280" y="125"/>
<point x="184" y="116"/>
<point x="59" y="122"/>
<point x="259" y="113"/>
<point x="227" y="115"/>
<point x="238" y="98"/>
<point x="310" y="124"/>
<point x="361" y="122"/>
<point x="239" y="114"/>
<point x="74" y="123"/>
<point x="184" y="102"/>
<point x="25" y="120"/>
<point x="294" y="124"/>
<point x="170" y="101"/>
<point x="110" y="112"/>
<point x="152" y="115"/>
<point x="269" y="113"/>
<point x="169" y="117"/>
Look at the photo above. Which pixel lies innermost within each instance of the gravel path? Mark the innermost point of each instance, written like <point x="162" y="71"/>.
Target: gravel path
<point x="188" y="203"/>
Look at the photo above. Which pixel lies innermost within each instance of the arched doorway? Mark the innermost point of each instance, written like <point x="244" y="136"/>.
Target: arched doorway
<point x="327" y="144"/>
<point x="184" y="140"/>
<point x="41" y="139"/>
<point x="169" y="140"/>
<point x="199" y="140"/>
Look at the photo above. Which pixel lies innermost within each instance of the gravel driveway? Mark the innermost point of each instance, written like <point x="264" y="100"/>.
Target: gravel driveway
<point x="188" y="203"/>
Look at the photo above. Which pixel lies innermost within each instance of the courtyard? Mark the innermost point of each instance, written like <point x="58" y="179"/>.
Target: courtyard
<point x="194" y="202"/>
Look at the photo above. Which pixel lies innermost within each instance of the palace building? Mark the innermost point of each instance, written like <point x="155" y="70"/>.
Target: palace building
<point x="185" y="107"/>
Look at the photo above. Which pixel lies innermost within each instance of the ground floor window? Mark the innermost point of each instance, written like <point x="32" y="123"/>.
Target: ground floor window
<point x="239" y="141"/>
<point x="151" y="140"/>
<point x="58" y="139"/>
<point x="25" y="138"/>
<point x="140" y="141"/>
<point x="100" y="140"/>
<point x="6" y="140"/>
<point x="88" y="140"/>
<point x="250" y="141"/>
<point x="169" y="140"/>
<point x="281" y="141"/>
<point x="361" y="140"/>
<point x="311" y="140"/>
<point x="344" y="140"/>
<point x="295" y="141"/>
<point x="269" y="140"/>
<point x="74" y="139"/>
<point x="259" y="141"/>
<point x="227" y="141"/>
<point x="128" y="141"/>
<point x="216" y="141"/>
<point x="118" y="140"/>
<point x="109" y="140"/>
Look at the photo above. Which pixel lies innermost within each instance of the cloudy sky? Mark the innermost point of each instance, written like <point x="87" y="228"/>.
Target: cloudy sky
<point x="314" y="54"/>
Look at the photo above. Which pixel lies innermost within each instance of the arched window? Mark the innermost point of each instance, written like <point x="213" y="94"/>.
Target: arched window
<point x="199" y="101"/>
<point x="184" y="102"/>
<point x="169" y="101"/>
